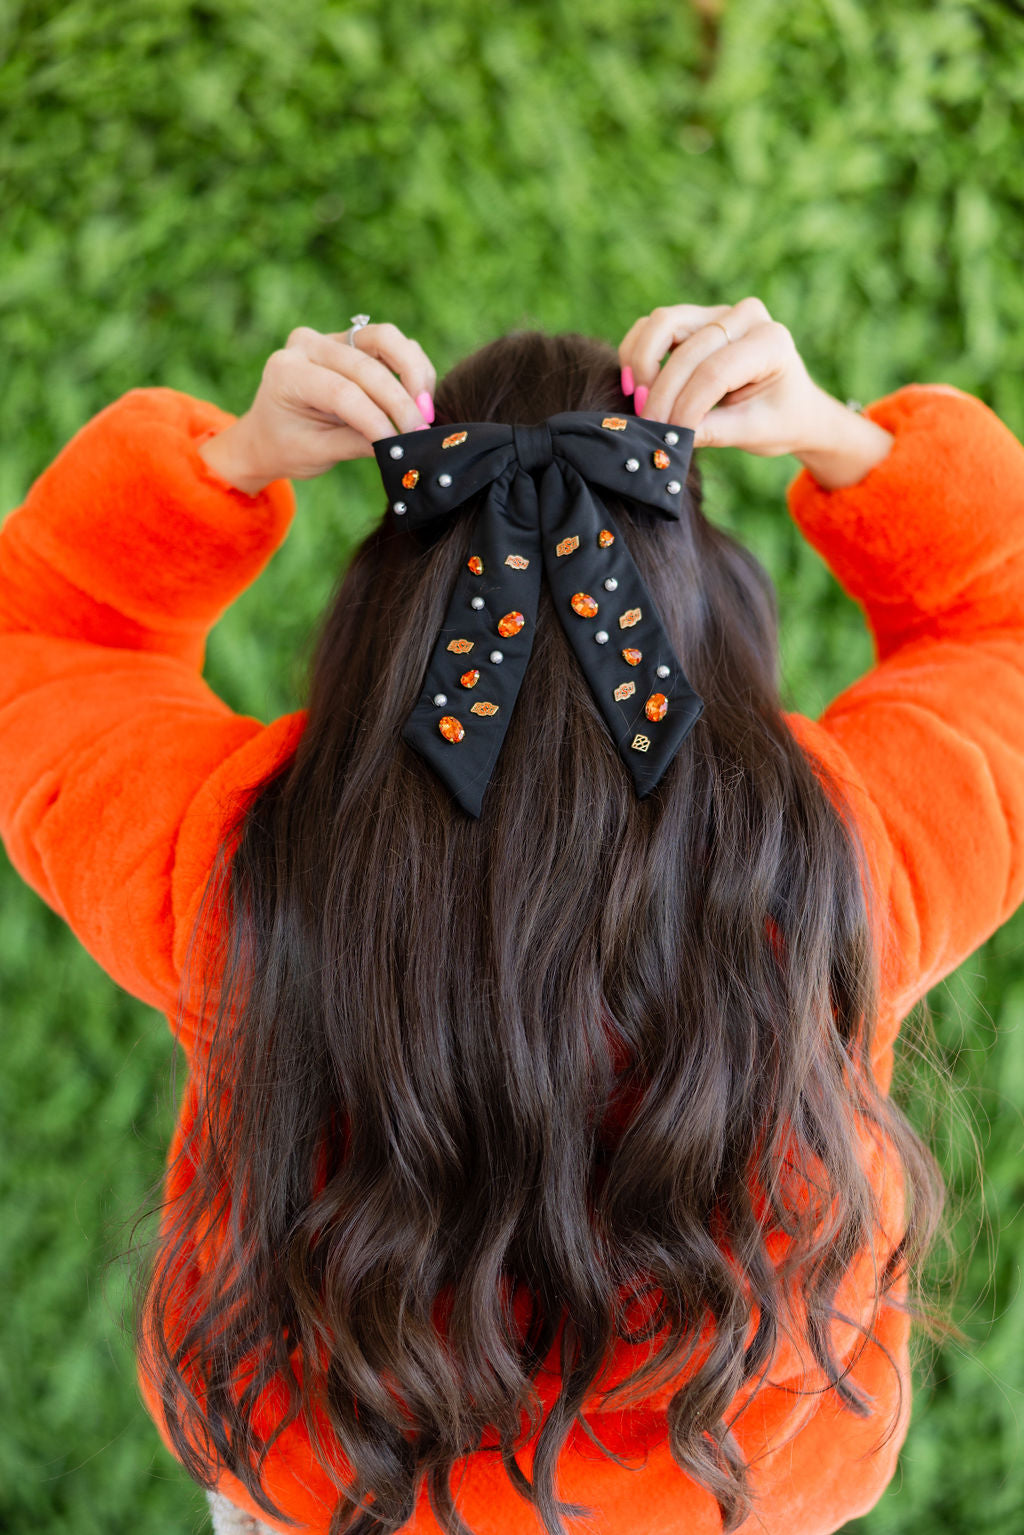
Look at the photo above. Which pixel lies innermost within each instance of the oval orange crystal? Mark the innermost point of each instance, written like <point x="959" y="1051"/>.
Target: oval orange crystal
<point x="656" y="706"/>
<point x="450" y="728"/>
<point x="583" y="604"/>
<point x="510" y="624"/>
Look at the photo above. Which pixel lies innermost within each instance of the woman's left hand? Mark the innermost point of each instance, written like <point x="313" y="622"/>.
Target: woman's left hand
<point x="321" y="401"/>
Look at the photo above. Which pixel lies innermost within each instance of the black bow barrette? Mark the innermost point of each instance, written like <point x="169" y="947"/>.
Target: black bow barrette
<point x="540" y="515"/>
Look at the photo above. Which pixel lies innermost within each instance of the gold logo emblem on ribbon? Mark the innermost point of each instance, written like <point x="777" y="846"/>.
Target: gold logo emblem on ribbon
<point x="454" y="440"/>
<point x="567" y="545"/>
<point x="460" y="647"/>
<point x="641" y="743"/>
<point x="629" y="618"/>
<point x="615" y="423"/>
<point x="624" y="690"/>
<point x="482" y="708"/>
<point x="517" y="561"/>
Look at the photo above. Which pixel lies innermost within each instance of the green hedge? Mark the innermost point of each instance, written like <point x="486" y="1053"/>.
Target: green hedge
<point x="184" y="183"/>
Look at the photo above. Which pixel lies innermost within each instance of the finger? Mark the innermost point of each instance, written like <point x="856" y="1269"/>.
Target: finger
<point x="680" y="366"/>
<point x="673" y="327"/>
<point x="687" y="356"/>
<point x="652" y="335"/>
<point x="401" y="353"/>
<point x="312" y="386"/>
<point x="376" y="378"/>
<point x="762" y="352"/>
<point x="724" y="426"/>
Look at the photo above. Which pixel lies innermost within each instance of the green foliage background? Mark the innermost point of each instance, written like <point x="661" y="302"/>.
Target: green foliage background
<point x="181" y="185"/>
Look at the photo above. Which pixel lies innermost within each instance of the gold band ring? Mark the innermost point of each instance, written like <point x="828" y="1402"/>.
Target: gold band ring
<point x="721" y="327"/>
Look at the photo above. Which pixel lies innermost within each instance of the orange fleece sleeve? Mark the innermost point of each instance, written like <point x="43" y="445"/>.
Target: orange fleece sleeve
<point x="929" y="744"/>
<point x="116" y="758"/>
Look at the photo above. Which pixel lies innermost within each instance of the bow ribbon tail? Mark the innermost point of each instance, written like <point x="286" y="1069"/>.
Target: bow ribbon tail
<point x="504" y="569"/>
<point x="648" y="715"/>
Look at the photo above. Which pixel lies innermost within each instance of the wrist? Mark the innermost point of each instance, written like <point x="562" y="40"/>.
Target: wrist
<point x="843" y="446"/>
<point x="230" y="456"/>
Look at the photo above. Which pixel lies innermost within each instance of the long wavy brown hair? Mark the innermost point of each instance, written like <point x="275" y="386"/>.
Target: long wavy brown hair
<point x="576" y="1050"/>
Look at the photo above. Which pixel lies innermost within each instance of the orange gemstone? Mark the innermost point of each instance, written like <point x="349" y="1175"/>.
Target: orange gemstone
<point x="629" y="618"/>
<point x="470" y="679"/>
<point x="476" y="564"/>
<point x="661" y="459"/>
<point x="461" y="647"/>
<point x="454" y="440"/>
<point x="605" y="538"/>
<point x="583" y="604"/>
<point x="634" y="657"/>
<point x="510" y="624"/>
<point x="410" y="478"/>
<point x="656" y="706"/>
<point x="450" y="728"/>
<point x="483" y="708"/>
<point x="615" y="423"/>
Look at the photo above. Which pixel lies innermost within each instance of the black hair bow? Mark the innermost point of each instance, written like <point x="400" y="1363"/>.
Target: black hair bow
<point x="541" y="515"/>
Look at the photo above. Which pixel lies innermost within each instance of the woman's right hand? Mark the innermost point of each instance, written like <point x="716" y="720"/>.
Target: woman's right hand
<point x="747" y="390"/>
<point x="321" y="401"/>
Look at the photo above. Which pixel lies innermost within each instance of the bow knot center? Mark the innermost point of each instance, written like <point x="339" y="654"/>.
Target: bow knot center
<point x="533" y="445"/>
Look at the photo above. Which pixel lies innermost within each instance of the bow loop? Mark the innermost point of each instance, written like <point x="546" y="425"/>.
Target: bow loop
<point x="552" y="524"/>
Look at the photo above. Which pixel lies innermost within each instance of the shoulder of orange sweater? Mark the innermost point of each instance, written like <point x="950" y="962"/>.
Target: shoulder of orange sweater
<point x="940" y="515"/>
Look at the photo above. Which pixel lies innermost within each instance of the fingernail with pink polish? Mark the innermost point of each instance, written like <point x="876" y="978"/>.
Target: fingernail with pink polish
<point x="426" y="406"/>
<point x="627" y="380"/>
<point x="640" y="399"/>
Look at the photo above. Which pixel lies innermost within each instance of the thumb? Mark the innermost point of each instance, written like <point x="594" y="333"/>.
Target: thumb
<point x="725" y="426"/>
<point x="708" y="433"/>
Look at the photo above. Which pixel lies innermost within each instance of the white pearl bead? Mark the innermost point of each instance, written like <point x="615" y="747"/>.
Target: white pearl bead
<point x="663" y="671"/>
<point x="671" y="438"/>
<point x="399" y="507"/>
<point x="477" y="602"/>
<point x="673" y="487"/>
<point x="610" y="584"/>
<point x="397" y="451"/>
<point x="444" y="479"/>
<point x="632" y="464"/>
<point x="496" y="655"/>
<point x="601" y="636"/>
<point x="440" y="698"/>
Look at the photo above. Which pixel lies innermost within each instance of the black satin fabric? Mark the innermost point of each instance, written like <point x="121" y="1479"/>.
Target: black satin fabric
<point x="542" y="516"/>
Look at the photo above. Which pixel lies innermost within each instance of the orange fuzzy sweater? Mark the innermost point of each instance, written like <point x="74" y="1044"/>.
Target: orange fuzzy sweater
<point x="117" y="765"/>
